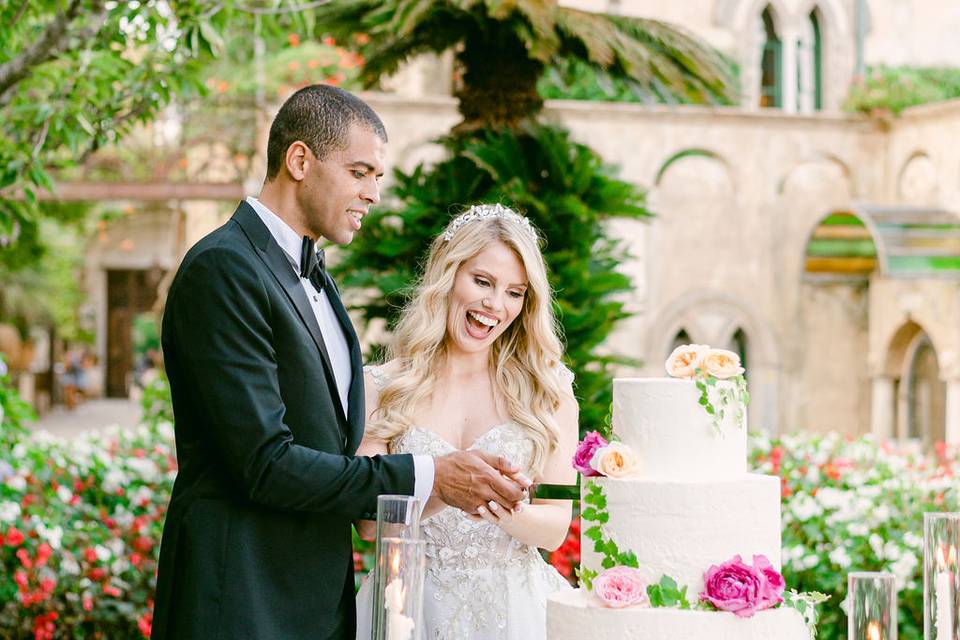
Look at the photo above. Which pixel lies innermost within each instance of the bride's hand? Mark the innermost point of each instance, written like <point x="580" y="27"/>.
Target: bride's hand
<point x="494" y="514"/>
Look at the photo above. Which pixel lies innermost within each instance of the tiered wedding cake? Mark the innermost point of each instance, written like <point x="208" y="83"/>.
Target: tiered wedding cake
<point x="690" y="505"/>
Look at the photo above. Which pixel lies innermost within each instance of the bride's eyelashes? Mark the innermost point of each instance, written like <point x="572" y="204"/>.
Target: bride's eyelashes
<point x="484" y="283"/>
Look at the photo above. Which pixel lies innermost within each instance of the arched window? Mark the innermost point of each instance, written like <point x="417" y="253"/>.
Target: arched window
<point x="926" y="395"/>
<point x="771" y="54"/>
<point x="810" y="65"/>
<point x="680" y="339"/>
<point x="740" y="346"/>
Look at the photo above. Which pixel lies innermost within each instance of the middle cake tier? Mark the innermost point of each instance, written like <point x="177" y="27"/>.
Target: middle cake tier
<point x="679" y="529"/>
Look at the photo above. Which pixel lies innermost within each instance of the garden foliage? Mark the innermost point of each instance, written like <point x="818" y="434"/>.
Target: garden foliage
<point x="566" y="191"/>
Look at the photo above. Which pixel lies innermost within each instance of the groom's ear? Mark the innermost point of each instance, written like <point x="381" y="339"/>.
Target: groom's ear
<point x="297" y="159"/>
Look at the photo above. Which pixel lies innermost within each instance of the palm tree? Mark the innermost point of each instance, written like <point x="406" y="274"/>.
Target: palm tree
<point x="504" y="46"/>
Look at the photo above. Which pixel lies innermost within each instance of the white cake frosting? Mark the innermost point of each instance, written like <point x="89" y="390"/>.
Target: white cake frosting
<point x="574" y="615"/>
<point x="673" y="436"/>
<point x="691" y="506"/>
<point x="679" y="529"/>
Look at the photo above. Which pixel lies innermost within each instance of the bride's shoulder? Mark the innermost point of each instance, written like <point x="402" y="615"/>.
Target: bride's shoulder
<point x="381" y="374"/>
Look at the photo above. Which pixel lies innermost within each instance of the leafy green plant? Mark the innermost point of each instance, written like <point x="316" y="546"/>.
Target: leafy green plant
<point x="566" y="191"/>
<point x="893" y="89"/>
<point x="15" y="413"/>
<point x="502" y="49"/>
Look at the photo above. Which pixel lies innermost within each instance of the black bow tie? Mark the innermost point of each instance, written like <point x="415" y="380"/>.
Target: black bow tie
<point x="312" y="264"/>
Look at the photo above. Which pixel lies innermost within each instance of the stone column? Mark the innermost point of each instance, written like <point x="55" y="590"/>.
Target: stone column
<point x="789" y="69"/>
<point x="882" y="408"/>
<point x="952" y="414"/>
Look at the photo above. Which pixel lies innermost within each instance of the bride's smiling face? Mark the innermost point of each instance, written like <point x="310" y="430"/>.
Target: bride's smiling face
<point x="487" y="296"/>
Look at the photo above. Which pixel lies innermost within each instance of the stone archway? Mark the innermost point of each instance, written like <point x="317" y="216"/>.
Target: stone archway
<point x="924" y="394"/>
<point x="909" y="396"/>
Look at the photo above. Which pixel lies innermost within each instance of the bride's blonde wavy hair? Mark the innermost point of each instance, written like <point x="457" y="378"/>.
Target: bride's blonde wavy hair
<point x="525" y="359"/>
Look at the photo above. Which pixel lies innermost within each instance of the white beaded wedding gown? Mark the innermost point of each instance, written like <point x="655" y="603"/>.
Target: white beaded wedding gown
<point x="481" y="584"/>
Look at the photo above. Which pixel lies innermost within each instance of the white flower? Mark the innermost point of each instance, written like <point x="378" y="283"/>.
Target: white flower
<point x="142" y="494"/>
<point x="114" y="480"/>
<point x="811" y="561"/>
<point x="64" y="494"/>
<point x="53" y="535"/>
<point x="805" y="507"/>
<point x="840" y="557"/>
<point x="115" y="547"/>
<point x="892" y="551"/>
<point x="69" y="565"/>
<point x="881" y="514"/>
<point x="832" y="498"/>
<point x="9" y="511"/>
<point x="103" y="554"/>
<point x="144" y="469"/>
<point x="903" y="568"/>
<point x="165" y="429"/>
<point x="119" y="566"/>
<point x="912" y="540"/>
<point x="858" y="529"/>
<point x="19" y="451"/>
<point x="17" y="483"/>
<point x="876" y="543"/>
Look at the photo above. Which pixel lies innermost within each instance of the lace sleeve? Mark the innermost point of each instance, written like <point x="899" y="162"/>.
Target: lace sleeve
<point x="380" y="379"/>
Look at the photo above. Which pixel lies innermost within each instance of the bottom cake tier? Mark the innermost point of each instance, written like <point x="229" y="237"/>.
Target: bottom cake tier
<point x="573" y="615"/>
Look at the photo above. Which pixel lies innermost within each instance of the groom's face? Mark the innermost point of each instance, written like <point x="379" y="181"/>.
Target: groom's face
<point x="338" y="191"/>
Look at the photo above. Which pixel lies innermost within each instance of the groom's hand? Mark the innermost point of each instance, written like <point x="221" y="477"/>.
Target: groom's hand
<point x="468" y="479"/>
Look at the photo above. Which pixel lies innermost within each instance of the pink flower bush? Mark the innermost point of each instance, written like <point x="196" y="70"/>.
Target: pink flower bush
<point x="743" y="589"/>
<point x="585" y="450"/>
<point x="620" y="587"/>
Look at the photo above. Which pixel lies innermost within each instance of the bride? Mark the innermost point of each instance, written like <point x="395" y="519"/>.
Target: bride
<point x="475" y="364"/>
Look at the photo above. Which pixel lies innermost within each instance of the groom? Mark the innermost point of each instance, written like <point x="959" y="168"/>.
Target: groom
<point x="267" y="383"/>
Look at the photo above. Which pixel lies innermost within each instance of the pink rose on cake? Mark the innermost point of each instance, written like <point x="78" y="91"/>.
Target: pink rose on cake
<point x="741" y="589"/>
<point x="584" y="454"/>
<point x="686" y="359"/>
<point x="722" y="364"/>
<point x="620" y="587"/>
<point x="773" y="594"/>
<point x="616" y="460"/>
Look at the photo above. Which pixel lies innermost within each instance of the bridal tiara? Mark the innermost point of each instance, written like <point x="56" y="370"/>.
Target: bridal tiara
<point x="483" y="211"/>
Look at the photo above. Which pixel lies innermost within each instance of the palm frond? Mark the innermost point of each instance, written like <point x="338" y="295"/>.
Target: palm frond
<point x="653" y="53"/>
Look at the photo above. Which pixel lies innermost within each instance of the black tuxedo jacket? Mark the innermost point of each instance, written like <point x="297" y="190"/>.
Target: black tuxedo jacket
<point x="257" y="540"/>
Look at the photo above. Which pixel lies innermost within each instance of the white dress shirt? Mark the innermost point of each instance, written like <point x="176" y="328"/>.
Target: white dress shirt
<point x="333" y="337"/>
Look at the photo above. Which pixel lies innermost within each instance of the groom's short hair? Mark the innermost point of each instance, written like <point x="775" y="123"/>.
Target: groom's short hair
<point x="320" y="116"/>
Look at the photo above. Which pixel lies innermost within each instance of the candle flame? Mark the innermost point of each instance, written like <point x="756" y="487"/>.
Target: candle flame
<point x="873" y="631"/>
<point x="394" y="562"/>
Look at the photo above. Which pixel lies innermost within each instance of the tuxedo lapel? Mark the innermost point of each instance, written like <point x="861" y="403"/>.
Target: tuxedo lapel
<point x="281" y="268"/>
<point x="355" y="398"/>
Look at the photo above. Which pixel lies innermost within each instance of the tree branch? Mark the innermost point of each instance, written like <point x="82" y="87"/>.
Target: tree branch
<point x="20" y="12"/>
<point x="51" y="42"/>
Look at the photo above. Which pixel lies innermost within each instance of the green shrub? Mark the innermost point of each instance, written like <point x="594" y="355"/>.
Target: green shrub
<point x="894" y="89"/>
<point x="567" y="192"/>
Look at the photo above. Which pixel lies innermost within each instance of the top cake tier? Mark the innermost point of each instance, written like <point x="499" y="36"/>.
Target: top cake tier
<point x="673" y="435"/>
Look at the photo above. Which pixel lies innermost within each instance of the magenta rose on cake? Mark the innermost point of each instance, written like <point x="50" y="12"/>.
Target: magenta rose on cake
<point x="736" y="587"/>
<point x="585" y="451"/>
<point x="620" y="587"/>
<point x="775" y="584"/>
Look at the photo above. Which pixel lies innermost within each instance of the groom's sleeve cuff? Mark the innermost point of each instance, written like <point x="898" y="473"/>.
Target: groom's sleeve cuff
<point x="423" y="478"/>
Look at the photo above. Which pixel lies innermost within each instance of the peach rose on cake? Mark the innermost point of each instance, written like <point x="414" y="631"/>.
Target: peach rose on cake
<point x="686" y="359"/>
<point x="722" y="364"/>
<point x="616" y="460"/>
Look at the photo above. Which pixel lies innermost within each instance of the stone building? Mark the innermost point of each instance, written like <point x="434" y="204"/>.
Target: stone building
<point x="821" y="245"/>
